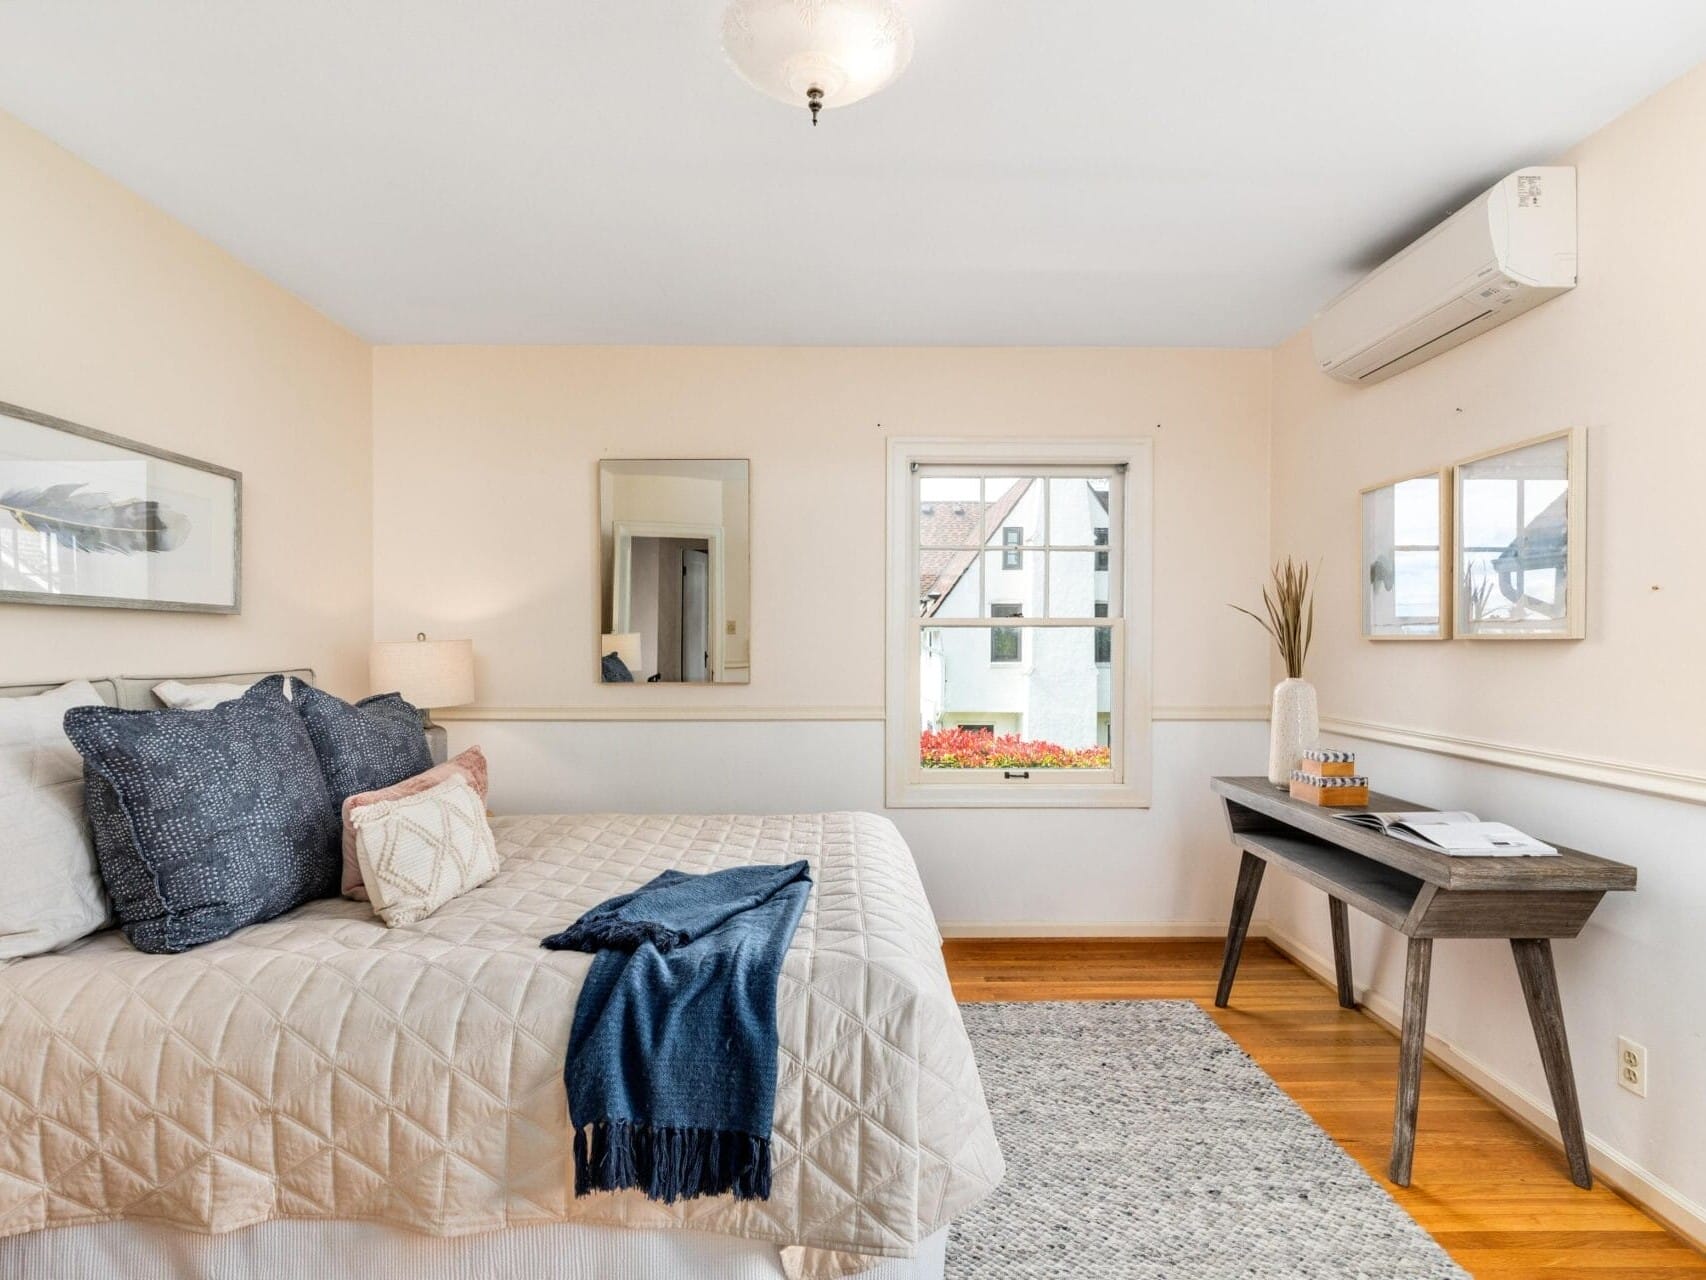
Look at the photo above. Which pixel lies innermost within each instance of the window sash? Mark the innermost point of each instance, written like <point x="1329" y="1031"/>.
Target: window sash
<point x="1112" y="549"/>
<point x="1110" y="622"/>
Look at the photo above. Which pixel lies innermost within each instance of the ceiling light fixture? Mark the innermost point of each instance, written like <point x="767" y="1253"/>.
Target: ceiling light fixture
<point x="817" y="53"/>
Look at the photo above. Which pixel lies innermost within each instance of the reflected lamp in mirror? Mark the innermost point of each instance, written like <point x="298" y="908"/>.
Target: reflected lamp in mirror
<point x="674" y="555"/>
<point x="1521" y="551"/>
<point x="621" y="659"/>
<point x="427" y="673"/>
<point x="1406" y="570"/>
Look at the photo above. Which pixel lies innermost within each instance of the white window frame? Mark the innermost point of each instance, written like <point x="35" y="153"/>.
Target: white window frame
<point x="1127" y="784"/>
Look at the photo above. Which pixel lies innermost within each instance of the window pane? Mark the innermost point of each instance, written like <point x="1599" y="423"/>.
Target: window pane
<point x="948" y="583"/>
<point x="1074" y="586"/>
<point x="1052" y="710"/>
<point x="1006" y="643"/>
<point x="1022" y="585"/>
<point x="1104" y="637"/>
<point x="1012" y="503"/>
<point x="950" y="511"/>
<point x="1076" y="506"/>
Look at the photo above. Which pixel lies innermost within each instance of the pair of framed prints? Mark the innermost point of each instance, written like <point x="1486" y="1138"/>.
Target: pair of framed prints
<point x="1491" y="548"/>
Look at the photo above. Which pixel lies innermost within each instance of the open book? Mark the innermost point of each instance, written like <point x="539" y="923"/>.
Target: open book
<point x="1452" y="831"/>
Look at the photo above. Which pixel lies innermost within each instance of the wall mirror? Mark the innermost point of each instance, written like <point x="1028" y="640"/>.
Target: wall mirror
<point x="676" y="585"/>
<point x="1406" y="571"/>
<point x="1521" y="550"/>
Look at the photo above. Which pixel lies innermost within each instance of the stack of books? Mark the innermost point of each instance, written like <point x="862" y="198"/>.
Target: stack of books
<point x="1330" y="778"/>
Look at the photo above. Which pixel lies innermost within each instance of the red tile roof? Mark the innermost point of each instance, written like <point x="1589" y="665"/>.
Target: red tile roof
<point x="957" y="524"/>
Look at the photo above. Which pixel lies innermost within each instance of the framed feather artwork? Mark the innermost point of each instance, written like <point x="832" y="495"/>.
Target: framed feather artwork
<point x="88" y="518"/>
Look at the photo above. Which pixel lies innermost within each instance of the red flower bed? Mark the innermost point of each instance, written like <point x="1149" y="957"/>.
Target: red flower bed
<point x="975" y="749"/>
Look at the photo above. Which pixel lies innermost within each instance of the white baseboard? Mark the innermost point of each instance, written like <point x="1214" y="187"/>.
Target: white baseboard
<point x="1091" y="929"/>
<point x="1652" y="1194"/>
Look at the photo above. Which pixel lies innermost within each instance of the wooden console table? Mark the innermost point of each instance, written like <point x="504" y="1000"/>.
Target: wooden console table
<point x="1423" y="895"/>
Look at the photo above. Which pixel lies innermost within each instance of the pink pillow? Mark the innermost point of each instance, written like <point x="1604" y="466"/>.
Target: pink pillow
<point x="471" y="764"/>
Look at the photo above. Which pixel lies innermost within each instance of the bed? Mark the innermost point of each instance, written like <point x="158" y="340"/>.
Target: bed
<point x="372" y="1101"/>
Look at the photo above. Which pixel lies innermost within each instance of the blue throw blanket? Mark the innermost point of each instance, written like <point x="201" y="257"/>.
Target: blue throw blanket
<point x="671" y="1069"/>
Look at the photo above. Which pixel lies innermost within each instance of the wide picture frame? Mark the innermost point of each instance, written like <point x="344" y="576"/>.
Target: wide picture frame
<point x="1520" y="540"/>
<point x="92" y="519"/>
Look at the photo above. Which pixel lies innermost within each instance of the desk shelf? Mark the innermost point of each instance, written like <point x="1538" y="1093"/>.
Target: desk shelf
<point x="1383" y="892"/>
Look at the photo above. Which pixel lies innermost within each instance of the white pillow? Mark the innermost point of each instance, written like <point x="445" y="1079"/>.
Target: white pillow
<point x="418" y="852"/>
<point x="198" y="697"/>
<point x="53" y="893"/>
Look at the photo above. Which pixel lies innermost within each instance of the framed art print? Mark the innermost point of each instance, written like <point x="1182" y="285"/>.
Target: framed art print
<point x="1521" y="546"/>
<point x="88" y="518"/>
<point x="1406" y="562"/>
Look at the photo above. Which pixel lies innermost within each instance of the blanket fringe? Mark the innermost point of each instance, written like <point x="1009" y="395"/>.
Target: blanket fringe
<point x="670" y="1164"/>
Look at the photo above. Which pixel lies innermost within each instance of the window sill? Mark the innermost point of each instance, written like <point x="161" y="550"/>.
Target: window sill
<point x="1016" y="795"/>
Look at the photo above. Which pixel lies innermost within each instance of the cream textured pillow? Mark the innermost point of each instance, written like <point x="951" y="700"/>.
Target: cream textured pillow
<point x="471" y="764"/>
<point x="53" y="893"/>
<point x="417" y="852"/>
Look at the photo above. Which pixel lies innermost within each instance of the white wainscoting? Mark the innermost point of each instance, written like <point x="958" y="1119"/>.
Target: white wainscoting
<point x="1638" y="969"/>
<point x="1164" y="870"/>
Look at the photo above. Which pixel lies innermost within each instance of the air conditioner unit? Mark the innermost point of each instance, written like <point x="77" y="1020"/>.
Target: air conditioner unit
<point x="1504" y="253"/>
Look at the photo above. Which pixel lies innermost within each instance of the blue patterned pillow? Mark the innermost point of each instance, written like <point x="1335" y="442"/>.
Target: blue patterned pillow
<point x="206" y="821"/>
<point x="371" y="744"/>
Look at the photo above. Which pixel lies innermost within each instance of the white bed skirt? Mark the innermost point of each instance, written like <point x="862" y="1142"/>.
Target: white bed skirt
<point x="374" y="1251"/>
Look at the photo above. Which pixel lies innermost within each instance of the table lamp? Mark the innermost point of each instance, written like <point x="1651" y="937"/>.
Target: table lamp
<point x="428" y="673"/>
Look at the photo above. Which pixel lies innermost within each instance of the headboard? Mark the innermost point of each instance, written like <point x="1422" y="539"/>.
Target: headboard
<point x="136" y="693"/>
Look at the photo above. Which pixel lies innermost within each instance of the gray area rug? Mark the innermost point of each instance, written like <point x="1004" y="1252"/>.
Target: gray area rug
<point x="1142" y="1142"/>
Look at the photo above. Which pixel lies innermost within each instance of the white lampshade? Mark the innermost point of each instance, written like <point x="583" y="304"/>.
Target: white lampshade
<point x="428" y="673"/>
<point x="846" y="49"/>
<point x="625" y="645"/>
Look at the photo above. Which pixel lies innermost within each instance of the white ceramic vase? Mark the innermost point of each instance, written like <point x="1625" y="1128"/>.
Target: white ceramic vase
<point x="1293" y="728"/>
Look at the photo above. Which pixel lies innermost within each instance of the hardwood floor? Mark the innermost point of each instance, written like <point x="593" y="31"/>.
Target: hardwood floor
<point x="1494" y="1195"/>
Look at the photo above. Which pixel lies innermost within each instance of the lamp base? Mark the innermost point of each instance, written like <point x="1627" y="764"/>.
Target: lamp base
<point x="438" y="741"/>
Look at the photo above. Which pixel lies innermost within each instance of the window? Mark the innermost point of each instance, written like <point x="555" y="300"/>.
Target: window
<point x="1004" y="642"/>
<point x="1018" y="649"/>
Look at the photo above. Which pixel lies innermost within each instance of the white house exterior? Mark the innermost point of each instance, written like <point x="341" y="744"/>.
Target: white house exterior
<point x="1040" y="683"/>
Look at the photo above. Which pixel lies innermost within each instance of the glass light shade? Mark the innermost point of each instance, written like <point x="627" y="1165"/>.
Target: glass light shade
<point x="428" y="673"/>
<point x="848" y="49"/>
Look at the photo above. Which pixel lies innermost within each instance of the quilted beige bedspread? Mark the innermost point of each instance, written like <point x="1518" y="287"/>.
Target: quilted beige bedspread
<point x="324" y="1066"/>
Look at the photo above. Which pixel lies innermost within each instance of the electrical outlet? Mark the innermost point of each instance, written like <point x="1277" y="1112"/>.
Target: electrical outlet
<point x="730" y="628"/>
<point x="1632" y="1066"/>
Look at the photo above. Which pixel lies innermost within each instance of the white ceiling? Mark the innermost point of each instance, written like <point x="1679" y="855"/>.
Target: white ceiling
<point x="1198" y="172"/>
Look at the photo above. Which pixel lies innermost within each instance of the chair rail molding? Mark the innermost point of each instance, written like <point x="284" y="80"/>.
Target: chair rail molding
<point x="712" y="711"/>
<point x="1621" y="774"/>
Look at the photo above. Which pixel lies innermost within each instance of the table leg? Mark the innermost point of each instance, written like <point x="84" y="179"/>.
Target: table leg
<point x="1243" y="905"/>
<point x="1416" y="966"/>
<point x="1540" y="988"/>
<point x="1342" y="952"/>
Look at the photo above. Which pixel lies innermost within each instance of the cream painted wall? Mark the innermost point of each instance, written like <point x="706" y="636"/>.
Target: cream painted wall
<point x="1622" y="356"/>
<point x="451" y="423"/>
<point x="117" y="317"/>
<point x="470" y="543"/>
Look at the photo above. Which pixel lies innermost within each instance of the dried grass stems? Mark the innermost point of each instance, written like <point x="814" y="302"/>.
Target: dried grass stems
<point x="1291" y="614"/>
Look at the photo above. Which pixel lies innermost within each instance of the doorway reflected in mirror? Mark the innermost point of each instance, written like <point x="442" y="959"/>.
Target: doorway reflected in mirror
<point x="675" y="583"/>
